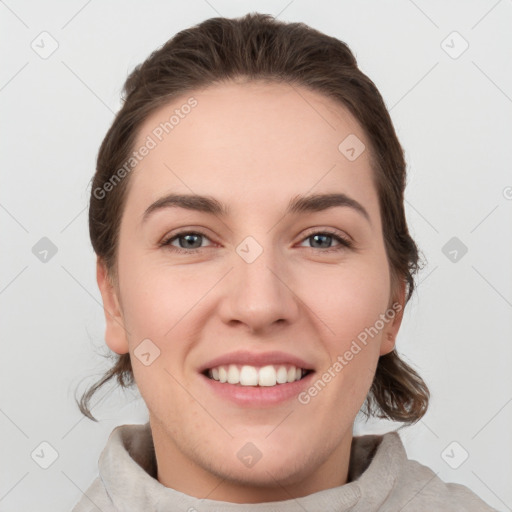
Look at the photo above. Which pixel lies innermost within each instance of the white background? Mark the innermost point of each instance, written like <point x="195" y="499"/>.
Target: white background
<point x="453" y="117"/>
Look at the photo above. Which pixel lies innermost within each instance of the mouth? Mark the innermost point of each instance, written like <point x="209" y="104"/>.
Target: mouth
<point x="256" y="376"/>
<point x="252" y="379"/>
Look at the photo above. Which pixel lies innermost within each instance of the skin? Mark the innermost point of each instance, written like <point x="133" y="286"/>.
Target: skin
<point x="253" y="146"/>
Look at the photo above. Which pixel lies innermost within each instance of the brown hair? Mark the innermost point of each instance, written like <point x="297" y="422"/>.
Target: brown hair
<point x="258" y="47"/>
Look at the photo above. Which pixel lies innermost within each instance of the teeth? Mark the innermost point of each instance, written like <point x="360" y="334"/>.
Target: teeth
<point x="233" y="374"/>
<point x="282" y="375"/>
<point x="268" y="376"/>
<point x="246" y="375"/>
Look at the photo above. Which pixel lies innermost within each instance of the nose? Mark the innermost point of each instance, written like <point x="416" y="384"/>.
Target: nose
<point x="260" y="294"/>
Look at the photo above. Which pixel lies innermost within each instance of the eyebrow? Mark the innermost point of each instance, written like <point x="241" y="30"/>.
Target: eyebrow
<point x="298" y="204"/>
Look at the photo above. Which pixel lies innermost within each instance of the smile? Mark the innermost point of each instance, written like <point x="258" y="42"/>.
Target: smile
<point x="247" y="375"/>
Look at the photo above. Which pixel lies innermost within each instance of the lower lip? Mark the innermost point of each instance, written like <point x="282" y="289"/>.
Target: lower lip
<point x="259" y="396"/>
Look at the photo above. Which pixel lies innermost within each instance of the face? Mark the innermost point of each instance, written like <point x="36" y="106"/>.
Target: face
<point x="242" y="285"/>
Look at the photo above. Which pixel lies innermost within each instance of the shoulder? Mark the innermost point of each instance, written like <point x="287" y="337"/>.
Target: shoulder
<point x="415" y="487"/>
<point x="94" y="499"/>
<point x="126" y="466"/>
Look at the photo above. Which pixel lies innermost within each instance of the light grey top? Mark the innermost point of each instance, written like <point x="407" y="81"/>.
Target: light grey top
<point x="381" y="478"/>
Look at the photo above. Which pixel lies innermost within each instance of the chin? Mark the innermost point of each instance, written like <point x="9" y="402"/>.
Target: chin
<point x="271" y="469"/>
<point x="266" y="476"/>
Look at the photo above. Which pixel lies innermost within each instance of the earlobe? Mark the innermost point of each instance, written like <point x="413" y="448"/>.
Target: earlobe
<point x="115" y="333"/>
<point x="387" y="344"/>
<point x="395" y="315"/>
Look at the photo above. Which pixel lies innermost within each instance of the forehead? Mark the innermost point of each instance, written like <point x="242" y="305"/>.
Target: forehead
<point x="255" y="140"/>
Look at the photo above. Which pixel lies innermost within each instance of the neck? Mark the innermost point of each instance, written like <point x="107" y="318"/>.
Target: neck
<point x="191" y="475"/>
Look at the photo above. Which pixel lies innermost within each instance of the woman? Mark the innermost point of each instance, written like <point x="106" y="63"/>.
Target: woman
<point x="254" y="262"/>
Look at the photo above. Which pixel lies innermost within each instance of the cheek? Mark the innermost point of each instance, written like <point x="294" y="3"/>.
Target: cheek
<point x="349" y="299"/>
<point x="158" y="304"/>
<point x="167" y="305"/>
<point x="155" y="297"/>
<point x="350" y="305"/>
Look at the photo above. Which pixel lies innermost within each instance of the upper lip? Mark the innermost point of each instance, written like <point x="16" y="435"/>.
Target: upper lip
<point x="245" y="357"/>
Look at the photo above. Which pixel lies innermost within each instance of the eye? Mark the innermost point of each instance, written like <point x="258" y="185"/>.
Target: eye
<point x="326" y="237"/>
<point x="191" y="242"/>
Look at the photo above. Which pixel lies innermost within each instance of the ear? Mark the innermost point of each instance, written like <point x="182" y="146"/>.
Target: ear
<point x="115" y="333"/>
<point x="394" y="314"/>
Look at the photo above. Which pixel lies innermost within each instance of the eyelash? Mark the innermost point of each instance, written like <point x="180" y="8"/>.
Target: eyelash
<point x="345" y="243"/>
